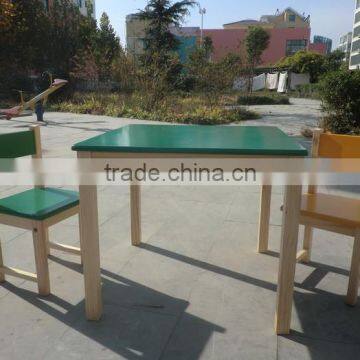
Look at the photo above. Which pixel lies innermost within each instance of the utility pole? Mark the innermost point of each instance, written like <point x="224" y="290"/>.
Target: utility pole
<point x="202" y="12"/>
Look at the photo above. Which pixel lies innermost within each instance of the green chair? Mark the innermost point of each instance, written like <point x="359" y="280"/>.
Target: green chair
<point x="36" y="210"/>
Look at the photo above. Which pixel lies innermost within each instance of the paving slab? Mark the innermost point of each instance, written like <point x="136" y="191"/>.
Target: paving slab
<point x="195" y="289"/>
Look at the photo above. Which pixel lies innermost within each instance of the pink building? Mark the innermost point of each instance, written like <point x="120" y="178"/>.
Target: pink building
<point x="318" y="48"/>
<point x="289" y="32"/>
<point x="283" y="42"/>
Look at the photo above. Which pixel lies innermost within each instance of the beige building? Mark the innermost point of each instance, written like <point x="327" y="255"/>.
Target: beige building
<point x="82" y="4"/>
<point x="135" y="34"/>
<point x="355" y="46"/>
<point x="345" y="45"/>
<point x="289" y="18"/>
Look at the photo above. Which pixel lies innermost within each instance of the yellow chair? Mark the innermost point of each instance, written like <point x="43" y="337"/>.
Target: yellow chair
<point x="36" y="209"/>
<point x="333" y="213"/>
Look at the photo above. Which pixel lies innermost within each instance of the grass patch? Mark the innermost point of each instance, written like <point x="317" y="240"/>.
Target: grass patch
<point x="309" y="91"/>
<point x="263" y="100"/>
<point x="176" y="108"/>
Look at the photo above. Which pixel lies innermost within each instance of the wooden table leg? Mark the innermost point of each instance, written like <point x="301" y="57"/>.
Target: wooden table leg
<point x="135" y="204"/>
<point x="2" y="276"/>
<point x="89" y="242"/>
<point x="264" y="222"/>
<point x="287" y="262"/>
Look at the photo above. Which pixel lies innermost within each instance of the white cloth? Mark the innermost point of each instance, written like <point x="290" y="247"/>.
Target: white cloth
<point x="282" y="82"/>
<point x="259" y="82"/>
<point x="272" y="81"/>
<point x="299" y="79"/>
<point x="240" y="83"/>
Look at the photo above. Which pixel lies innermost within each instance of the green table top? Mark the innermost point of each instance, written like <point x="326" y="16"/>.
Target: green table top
<point x="227" y="140"/>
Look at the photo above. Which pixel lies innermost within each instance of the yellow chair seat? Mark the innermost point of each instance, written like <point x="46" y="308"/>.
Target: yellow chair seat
<point x="335" y="209"/>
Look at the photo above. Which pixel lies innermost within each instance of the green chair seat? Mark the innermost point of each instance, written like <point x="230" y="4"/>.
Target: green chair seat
<point x="39" y="204"/>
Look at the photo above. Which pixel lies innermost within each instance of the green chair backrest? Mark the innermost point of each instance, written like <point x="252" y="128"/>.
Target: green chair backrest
<point x="15" y="145"/>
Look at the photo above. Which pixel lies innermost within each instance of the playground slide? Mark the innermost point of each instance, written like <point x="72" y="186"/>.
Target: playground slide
<point x="17" y="110"/>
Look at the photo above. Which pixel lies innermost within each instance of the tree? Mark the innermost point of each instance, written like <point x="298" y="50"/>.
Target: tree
<point x="20" y="39"/>
<point x="23" y="23"/>
<point x="7" y="14"/>
<point x="213" y="79"/>
<point x="69" y="34"/>
<point x="84" y="66"/>
<point x="305" y="62"/>
<point x="123" y="71"/>
<point x="160" y="66"/>
<point x="59" y="40"/>
<point x="256" y="42"/>
<point x="108" y="46"/>
<point x="160" y="15"/>
<point x="334" y="61"/>
<point x="208" y="46"/>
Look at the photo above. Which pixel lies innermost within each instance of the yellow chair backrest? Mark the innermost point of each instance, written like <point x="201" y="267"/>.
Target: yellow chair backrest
<point x="338" y="146"/>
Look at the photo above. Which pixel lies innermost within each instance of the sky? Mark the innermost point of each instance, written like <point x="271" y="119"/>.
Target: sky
<point x="330" y="18"/>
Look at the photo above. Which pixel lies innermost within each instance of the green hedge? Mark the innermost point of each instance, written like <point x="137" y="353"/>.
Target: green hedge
<point x="340" y="93"/>
<point x="263" y="100"/>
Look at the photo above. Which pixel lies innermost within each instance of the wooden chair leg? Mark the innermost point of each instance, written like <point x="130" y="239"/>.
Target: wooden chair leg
<point x="135" y="204"/>
<point x="307" y="244"/>
<point x="287" y="261"/>
<point x="47" y="241"/>
<point x="352" y="294"/>
<point x="2" y="276"/>
<point x="264" y="222"/>
<point x="81" y="256"/>
<point x="41" y="259"/>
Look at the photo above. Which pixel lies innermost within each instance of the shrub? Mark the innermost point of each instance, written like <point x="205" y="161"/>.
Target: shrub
<point x="313" y="63"/>
<point x="307" y="91"/>
<point x="176" y="109"/>
<point x="339" y="92"/>
<point x="263" y="100"/>
<point x="210" y="78"/>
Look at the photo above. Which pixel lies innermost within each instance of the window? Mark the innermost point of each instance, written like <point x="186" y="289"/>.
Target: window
<point x="293" y="46"/>
<point x="356" y="46"/>
<point x="356" y="32"/>
<point x="358" y="4"/>
<point x="292" y="17"/>
<point x="357" y="18"/>
<point x="355" y="60"/>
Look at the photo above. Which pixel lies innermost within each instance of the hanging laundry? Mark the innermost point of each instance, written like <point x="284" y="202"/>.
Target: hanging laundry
<point x="282" y="82"/>
<point x="259" y="82"/>
<point x="241" y="84"/>
<point x="298" y="79"/>
<point x="272" y="81"/>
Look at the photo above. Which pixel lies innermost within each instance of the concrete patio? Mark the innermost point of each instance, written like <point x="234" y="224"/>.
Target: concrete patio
<point x="196" y="288"/>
